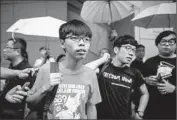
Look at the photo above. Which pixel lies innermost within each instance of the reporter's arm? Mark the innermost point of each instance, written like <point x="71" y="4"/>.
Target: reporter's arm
<point x="8" y="73"/>
<point x="96" y="63"/>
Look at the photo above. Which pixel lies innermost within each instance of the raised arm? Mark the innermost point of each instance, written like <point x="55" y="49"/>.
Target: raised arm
<point x="96" y="63"/>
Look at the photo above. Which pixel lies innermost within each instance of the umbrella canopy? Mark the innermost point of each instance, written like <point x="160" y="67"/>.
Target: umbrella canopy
<point x="159" y="16"/>
<point x="39" y="26"/>
<point x="107" y="11"/>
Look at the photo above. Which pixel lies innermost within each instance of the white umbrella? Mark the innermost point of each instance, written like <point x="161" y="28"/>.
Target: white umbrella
<point x="107" y="11"/>
<point x="158" y="16"/>
<point x="39" y="26"/>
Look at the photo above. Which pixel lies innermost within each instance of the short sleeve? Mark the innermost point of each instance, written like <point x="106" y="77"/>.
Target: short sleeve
<point x="42" y="77"/>
<point x="37" y="62"/>
<point x="95" y="96"/>
<point x="139" y="79"/>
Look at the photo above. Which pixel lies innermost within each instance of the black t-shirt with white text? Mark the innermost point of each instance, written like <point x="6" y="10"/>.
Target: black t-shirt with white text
<point x="115" y="86"/>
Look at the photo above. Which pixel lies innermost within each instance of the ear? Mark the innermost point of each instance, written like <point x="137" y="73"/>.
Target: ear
<point x="18" y="52"/>
<point x="62" y="43"/>
<point x="116" y="50"/>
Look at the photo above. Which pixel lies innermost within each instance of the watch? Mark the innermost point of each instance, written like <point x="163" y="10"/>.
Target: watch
<point x="140" y="113"/>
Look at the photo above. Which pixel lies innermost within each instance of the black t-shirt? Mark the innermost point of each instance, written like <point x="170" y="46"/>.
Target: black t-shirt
<point x="115" y="86"/>
<point x="139" y="65"/>
<point x="161" y="106"/>
<point x="12" y="82"/>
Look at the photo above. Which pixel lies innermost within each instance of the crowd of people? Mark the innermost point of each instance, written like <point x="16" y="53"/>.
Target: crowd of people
<point x="123" y="86"/>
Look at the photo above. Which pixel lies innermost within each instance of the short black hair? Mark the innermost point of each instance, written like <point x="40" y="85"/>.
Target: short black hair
<point x="21" y="44"/>
<point x="76" y="27"/>
<point x="140" y="46"/>
<point x="162" y="35"/>
<point x="125" y="39"/>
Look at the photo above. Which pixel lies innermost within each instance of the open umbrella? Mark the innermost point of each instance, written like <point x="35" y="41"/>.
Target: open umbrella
<point x="39" y="26"/>
<point x="107" y="11"/>
<point x="158" y="16"/>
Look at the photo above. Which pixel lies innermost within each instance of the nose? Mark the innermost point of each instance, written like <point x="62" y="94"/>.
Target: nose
<point x="81" y="42"/>
<point x="131" y="53"/>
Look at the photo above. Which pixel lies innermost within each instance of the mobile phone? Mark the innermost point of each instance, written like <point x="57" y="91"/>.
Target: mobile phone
<point x="25" y="85"/>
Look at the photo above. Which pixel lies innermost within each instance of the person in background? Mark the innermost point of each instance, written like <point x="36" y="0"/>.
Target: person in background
<point x="116" y="81"/>
<point x="15" y="52"/>
<point x="45" y="57"/>
<point x="78" y="92"/>
<point x="160" y="73"/>
<point x="60" y="58"/>
<point x="138" y="64"/>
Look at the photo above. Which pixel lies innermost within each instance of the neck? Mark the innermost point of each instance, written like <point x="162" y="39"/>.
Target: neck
<point x="170" y="56"/>
<point x="117" y="63"/>
<point x="70" y="64"/>
<point x="17" y="60"/>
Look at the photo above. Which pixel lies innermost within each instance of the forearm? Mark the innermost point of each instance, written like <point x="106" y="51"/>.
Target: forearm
<point x="34" y="98"/>
<point x="8" y="73"/>
<point x="143" y="102"/>
<point x="95" y="64"/>
<point x="91" y="111"/>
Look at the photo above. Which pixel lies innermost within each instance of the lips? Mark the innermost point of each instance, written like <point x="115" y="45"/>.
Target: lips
<point x="81" y="51"/>
<point x="129" y="58"/>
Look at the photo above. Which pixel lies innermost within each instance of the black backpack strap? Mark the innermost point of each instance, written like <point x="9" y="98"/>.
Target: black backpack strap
<point x="54" y="68"/>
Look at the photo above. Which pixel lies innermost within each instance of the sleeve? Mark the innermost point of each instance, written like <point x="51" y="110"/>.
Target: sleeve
<point x="42" y="77"/>
<point x="95" y="96"/>
<point x="37" y="62"/>
<point x="139" y="79"/>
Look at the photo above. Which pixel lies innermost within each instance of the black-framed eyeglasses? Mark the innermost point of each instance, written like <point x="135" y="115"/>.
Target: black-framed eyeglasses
<point x="170" y="42"/>
<point x="129" y="48"/>
<point x="78" y="38"/>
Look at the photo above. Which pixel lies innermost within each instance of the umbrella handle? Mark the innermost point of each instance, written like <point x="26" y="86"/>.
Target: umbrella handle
<point x="13" y="33"/>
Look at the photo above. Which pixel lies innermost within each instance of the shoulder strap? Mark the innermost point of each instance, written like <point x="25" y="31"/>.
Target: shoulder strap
<point x="54" y="67"/>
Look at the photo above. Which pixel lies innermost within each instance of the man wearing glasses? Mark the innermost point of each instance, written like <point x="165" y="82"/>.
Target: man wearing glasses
<point x="160" y="73"/>
<point x="116" y="81"/>
<point x="15" y="52"/>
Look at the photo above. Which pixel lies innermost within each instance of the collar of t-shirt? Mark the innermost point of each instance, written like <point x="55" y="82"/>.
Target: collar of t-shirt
<point x="64" y="70"/>
<point x="19" y="66"/>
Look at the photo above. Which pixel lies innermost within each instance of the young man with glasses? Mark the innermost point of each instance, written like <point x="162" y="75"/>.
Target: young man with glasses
<point x="160" y="73"/>
<point x="78" y="91"/>
<point x="15" y="52"/>
<point x="117" y="80"/>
